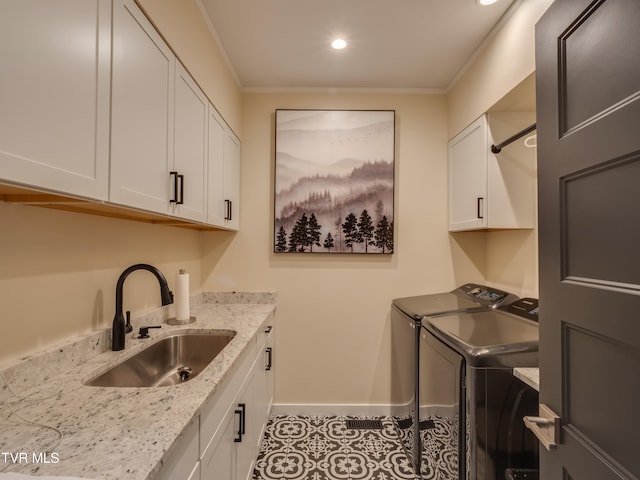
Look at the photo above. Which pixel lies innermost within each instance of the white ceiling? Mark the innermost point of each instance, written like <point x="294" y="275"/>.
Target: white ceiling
<point x="393" y="44"/>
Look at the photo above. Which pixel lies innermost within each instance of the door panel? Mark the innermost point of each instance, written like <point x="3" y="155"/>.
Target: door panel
<point x="588" y="79"/>
<point x="589" y="410"/>
<point x="617" y="66"/>
<point x="598" y="223"/>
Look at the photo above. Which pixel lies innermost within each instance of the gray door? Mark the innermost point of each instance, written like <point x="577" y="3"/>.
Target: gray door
<point x="588" y="108"/>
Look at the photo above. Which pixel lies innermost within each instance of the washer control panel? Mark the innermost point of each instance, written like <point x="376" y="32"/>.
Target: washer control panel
<point x="526" y="308"/>
<point x="483" y="294"/>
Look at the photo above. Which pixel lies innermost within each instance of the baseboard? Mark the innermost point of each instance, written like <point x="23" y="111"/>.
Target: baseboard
<point x="332" y="409"/>
<point x="360" y="410"/>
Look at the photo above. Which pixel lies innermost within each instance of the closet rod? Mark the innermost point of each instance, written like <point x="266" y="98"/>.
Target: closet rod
<point x="513" y="138"/>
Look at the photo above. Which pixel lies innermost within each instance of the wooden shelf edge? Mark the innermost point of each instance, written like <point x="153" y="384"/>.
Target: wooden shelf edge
<point x="24" y="196"/>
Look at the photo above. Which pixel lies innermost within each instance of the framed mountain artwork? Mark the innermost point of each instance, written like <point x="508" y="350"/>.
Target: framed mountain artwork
<point x="334" y="181"/>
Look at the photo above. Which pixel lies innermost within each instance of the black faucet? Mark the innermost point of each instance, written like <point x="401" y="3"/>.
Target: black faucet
<point x="117" y="337"/>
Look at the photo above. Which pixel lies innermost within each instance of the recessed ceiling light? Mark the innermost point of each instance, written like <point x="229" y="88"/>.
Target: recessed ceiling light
<point x="486" y="2"/>
<point x="338" y="44"/>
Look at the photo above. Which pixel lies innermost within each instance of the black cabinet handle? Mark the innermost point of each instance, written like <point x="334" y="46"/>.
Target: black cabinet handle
<point x="239" y="432"/>
<point x="268" y="329"/>
<point x="178" y="188"/>
<point x="181" y="201"/>
<point x="229" y="205"/>
<point x="175" y="187"/>
<point x="243" y="417"/>
<point x="269" y="352"/>
<point x="479" y="207"/>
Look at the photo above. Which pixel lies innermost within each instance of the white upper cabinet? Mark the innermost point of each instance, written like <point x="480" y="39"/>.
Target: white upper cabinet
<point x="159" y="123"/>
<point x="54" y="95"/>
<point x="468" y="177"/>
<point x="224" y="174"/>
<point x="492" y="191"/>
<point x="217" y="207"/>
<point x="190" y="148"/>
<point x="232" y="180"/>
<point x="142" y="112"/>
<point x="94" y="104"/>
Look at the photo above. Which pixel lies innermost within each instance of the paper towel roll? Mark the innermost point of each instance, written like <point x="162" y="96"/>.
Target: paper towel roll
<point x="182" y="296"/>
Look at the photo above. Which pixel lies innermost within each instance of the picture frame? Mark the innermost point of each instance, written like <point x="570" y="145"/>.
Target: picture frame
<point x="334" y="181"/>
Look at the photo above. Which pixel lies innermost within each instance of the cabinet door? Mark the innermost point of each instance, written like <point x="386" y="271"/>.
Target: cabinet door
<point x="217" y="208"/>
<point x="269" y="373"/>
<point x="143" y="72"/>
<point x="263" y="388"/>
<point x="219" y="459"/>
<point x="195" y="474"/>
<point x="231" y="452"/>
<point x="246" y="451"/>
<point x="232" y="180"/>
<point x="54" y="100"/>
<point x="190" y="148"/>
<point x="183" y="461"/>
<point x="468" y="177"/>
<point x="224" y="174"/>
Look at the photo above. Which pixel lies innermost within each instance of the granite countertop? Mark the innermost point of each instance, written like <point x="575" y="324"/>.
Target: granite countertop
<point x="530" y="376"/>
<point x="112" y="433"/>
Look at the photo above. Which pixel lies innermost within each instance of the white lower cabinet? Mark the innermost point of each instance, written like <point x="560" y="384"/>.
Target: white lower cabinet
<point x="250" y="427"/>
<point x="222" y="442"/>
<point x="183" y="461"/>
<point x="264" y="384"/>
<point x="233" y="422"/>
<point x="219" y="459"/>
<point x="231" y="453"/>
<point x="195" y="473"/>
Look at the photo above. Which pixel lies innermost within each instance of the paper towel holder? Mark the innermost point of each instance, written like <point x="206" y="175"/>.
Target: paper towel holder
<point x="181" y="296"/>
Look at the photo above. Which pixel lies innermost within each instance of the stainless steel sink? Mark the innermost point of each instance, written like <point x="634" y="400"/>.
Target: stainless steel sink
<point x="170" y="361"/>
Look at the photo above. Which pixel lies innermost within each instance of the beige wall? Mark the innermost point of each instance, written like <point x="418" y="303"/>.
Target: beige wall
<point x="333" y="340"/>
<point x="506" y="59"/>
<point x="333" y="344"/>
<point x="501" y="79"/>
<point x="59" y="270"/>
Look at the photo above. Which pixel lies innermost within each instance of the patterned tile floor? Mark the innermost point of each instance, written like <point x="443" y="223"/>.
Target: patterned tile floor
<point x="324" y="448"/>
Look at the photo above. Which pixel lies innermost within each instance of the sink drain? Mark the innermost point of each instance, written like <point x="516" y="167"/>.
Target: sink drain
<point x="185" y="373"/>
